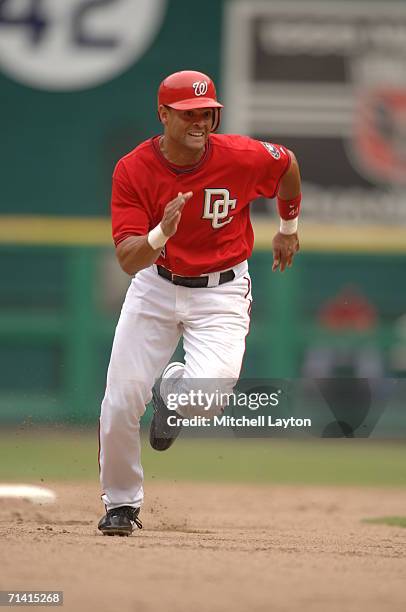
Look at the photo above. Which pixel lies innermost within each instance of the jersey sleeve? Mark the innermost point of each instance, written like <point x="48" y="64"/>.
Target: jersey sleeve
<point x="128" y="215"/>
<point x="272" y="161"/>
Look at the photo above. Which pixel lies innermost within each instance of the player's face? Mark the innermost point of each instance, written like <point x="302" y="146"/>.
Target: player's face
<point x="190" y="128"/>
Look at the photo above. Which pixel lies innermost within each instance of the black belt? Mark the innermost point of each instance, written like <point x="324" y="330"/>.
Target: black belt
<point x="194" y="281"/>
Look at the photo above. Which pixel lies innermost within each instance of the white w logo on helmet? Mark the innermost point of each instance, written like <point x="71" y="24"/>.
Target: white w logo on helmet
<point x="200" y="88"/>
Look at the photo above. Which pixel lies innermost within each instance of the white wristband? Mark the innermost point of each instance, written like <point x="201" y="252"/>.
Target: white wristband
<point x="156" y="238"/>
<point x="288" y="226"/>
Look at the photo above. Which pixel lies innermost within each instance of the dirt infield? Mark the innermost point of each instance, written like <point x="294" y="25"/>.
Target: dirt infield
<point x="217" y="548"/>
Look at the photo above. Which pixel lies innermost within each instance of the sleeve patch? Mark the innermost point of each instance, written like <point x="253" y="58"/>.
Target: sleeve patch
<point x="271" y="149"/>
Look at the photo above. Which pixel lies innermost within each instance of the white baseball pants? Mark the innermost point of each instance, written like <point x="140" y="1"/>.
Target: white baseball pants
<point x="214" y="322"/>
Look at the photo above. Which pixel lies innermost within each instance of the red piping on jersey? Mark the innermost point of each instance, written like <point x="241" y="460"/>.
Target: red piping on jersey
<point x="175" y="169"/>
<point x="123" y="237"/>
<point x="283" y="174"/>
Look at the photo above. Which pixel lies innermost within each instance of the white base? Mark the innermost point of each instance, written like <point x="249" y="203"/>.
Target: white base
<point x="38" y="495"/>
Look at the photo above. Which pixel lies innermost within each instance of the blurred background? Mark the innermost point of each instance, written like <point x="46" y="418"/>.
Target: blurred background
<point x="78" y="82"/>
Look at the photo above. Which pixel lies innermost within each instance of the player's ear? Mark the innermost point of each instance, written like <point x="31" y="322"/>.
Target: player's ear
<point x="163" y="113"/>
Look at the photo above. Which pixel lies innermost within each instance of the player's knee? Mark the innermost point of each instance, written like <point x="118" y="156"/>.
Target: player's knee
<point x="124" y="404"/>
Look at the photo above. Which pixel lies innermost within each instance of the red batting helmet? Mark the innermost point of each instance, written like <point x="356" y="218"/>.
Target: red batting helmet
<point x="189" y="89"/>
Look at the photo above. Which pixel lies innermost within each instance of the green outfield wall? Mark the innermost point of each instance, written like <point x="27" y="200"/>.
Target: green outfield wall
<point x="78" y="82"/>
<point x="59" y="307"/>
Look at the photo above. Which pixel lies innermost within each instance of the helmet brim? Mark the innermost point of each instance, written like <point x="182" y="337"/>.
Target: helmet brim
<point x="192" y="103"/>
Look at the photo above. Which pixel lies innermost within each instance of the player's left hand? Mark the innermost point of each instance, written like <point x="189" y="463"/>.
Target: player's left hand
<point x="284" y="249"/>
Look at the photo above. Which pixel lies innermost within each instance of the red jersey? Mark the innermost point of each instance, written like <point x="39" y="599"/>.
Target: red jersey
<point x="215" y="231"/>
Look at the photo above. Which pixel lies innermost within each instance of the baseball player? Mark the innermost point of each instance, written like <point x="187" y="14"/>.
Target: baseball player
<point x="182" y="230"/>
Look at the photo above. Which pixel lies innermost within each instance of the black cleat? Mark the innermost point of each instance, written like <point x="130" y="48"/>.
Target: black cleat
<point x="120" y="521"/>
<point x="161" y="434"/>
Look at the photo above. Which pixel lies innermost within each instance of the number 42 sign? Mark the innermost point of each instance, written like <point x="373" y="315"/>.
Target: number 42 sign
<point x="74" y="44"/>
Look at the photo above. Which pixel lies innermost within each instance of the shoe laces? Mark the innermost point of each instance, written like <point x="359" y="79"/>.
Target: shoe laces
<point x="137" y="522"/>
<point x="132" y="514"/>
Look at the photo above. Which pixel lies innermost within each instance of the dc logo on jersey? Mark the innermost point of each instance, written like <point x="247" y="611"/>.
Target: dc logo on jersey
<point x="200" y="88"/>
<point x="272" y="150"/>
<point x="218" y="209"/>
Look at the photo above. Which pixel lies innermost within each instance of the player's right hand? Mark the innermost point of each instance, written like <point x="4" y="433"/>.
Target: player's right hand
<point x="173" y="213"/>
